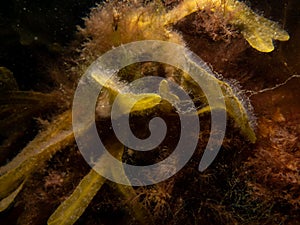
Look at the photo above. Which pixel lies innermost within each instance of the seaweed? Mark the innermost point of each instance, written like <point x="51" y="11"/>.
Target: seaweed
<point x="257" y="30"/>
<point x="58" y="135"/>
<point x="109" y="25"/>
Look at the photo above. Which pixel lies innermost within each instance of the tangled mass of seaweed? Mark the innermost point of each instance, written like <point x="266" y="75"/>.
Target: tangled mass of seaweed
<point x="254" y="179"/>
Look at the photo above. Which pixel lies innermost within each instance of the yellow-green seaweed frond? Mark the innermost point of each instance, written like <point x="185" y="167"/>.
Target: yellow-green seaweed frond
<point x="128" y="102"/>
<point x="257" y="30"/>
<point x="57" y="136"/>
<point x="72" y="208"/>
